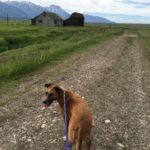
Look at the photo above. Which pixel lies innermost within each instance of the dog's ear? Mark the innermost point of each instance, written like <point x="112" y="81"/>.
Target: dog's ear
<point x="59" y="90"/>
<point x="48" y="84"/>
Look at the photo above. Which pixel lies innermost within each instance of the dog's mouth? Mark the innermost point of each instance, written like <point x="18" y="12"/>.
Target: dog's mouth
<point x="45" y="106"/>
<point x="46" y="103"/>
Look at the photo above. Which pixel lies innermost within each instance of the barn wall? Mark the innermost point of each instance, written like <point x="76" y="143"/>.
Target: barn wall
<point x="74" y="22"/>
<point x="58" y="23"/>
<point x="46" y="21"/>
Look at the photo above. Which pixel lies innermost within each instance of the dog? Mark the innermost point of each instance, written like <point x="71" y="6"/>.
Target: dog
<point x="79" y="115"/>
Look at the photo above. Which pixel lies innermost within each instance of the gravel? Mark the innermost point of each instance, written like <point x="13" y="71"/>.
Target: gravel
<point x="109" y="76"/>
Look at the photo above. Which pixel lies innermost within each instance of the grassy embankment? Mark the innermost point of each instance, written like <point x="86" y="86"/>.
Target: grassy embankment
<point x="24" y="48"/>
<point x="144" y="37"/>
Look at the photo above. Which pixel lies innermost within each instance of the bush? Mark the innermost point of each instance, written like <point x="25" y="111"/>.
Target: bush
<point x="3" y="45"/>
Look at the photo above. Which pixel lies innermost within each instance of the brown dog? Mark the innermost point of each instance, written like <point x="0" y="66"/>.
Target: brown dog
<point x="79" y="115"/>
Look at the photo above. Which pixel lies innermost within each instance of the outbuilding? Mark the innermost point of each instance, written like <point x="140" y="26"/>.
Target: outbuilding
<point x="47" y="19"/>
<point x="76" y="19"/>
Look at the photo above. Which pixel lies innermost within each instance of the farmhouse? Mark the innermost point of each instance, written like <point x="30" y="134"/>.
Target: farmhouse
<point x="76" y="19"/>
<point x="47" y="19"/>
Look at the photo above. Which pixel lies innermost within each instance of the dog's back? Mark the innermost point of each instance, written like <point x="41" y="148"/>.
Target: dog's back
<point x="80" y="122"/>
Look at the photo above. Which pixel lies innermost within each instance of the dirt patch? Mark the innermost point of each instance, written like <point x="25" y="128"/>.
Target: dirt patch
<point x="109" y="76"/>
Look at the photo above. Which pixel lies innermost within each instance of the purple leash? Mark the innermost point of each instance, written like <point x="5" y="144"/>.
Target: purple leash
<point x="65" y="117"/>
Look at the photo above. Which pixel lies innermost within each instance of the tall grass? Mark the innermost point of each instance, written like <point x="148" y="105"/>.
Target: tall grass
<point x="24" y="49"/>
<point x="144" y="37"/>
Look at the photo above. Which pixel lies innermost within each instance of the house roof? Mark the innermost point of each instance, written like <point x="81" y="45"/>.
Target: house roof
<point x="50" y="14"/>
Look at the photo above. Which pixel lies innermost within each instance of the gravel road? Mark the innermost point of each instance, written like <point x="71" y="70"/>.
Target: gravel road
<point x="111" y="76"/>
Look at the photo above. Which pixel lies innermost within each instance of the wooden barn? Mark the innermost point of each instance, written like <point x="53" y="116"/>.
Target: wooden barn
<point x="47" y="19"/>
<point x="76" y="19"/>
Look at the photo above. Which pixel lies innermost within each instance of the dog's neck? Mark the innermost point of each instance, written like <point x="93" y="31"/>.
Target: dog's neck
<point x="61" y="99"/>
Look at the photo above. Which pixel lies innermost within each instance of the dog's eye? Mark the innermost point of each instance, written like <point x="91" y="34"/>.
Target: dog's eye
<point x="46" y="93"/>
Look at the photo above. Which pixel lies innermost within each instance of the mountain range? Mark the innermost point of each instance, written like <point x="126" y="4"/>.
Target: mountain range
<point x="26" y="9"/>
<point x="122" y="18"/>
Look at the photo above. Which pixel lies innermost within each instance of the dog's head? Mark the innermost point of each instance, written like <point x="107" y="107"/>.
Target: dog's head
<point x="53" y="92"/>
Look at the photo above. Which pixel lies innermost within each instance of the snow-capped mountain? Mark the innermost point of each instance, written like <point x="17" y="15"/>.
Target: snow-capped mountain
<point x="59" y="11"/>
<point x="29" y="8"/>
<point x="11" y="11"/>
<point x="24" y="9"/>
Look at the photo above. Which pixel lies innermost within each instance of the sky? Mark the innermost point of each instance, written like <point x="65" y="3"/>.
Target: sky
<point x="127" y="7"/>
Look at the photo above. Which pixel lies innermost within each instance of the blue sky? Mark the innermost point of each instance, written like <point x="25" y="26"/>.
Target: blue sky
<point x="127" y="7"/>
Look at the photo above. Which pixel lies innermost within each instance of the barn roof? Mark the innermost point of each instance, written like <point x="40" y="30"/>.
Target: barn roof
<point x="50" y="14"/>
<point x="77" y="15"/>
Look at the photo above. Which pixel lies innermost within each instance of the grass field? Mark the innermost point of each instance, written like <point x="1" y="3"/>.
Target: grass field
<point x="144" y="37"/>
<point x="24" y="48"/>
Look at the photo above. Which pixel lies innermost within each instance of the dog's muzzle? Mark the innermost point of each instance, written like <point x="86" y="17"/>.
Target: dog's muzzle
<point x="46" y="103"/>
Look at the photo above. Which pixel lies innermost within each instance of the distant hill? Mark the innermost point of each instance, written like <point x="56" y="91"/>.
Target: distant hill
<point x="59" y="11"/>
<point x="95" y="19"/>
<point x="26" y="9"/>
<point x="12" y="11"/>
<point x="122" y="18"/>
<point x="30" y="9"/>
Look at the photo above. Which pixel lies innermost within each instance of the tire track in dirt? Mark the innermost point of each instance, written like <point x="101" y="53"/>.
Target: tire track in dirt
<point x="122" y="101"/>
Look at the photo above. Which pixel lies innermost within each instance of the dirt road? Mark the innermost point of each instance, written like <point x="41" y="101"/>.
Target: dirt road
<point x="111" y="76"/>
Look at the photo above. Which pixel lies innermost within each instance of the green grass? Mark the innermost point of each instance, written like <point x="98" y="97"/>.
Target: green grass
<point x="25" y="48"/>
<point x="144" y="37"/>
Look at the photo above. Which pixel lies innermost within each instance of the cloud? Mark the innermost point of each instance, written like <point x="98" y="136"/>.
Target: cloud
<point x="136" y="3"/>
